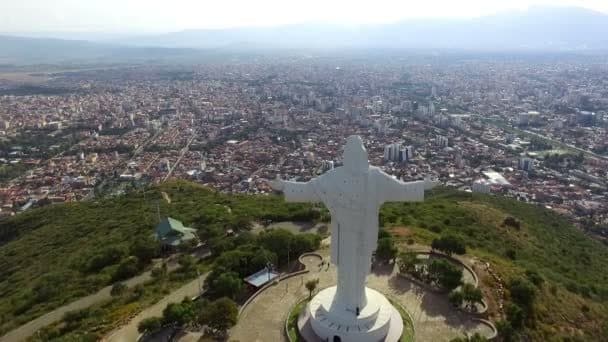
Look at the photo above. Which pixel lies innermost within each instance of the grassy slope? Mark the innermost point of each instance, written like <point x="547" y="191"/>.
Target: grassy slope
<point x="52" y="241"/>
<point x="573" y="265"/>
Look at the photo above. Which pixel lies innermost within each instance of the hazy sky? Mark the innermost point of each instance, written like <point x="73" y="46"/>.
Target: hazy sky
<point x="172" y="15"/>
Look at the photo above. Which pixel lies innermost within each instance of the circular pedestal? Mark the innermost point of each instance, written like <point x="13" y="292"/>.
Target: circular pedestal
<point x="377" y="321"/>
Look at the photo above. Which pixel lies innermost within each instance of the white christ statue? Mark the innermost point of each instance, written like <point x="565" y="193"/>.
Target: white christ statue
<point x="353" y="194"/>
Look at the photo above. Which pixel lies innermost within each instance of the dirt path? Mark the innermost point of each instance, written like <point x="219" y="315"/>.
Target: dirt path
<point x="23" y="332"/>
<point x="129" y="333"/>
<point x="28" y="329"/>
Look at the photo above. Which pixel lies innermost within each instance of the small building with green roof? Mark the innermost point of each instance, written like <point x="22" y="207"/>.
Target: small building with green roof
<point x="172" y="233"/>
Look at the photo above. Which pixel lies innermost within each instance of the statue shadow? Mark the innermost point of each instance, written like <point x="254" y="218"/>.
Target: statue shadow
<point x="382" y="269"/>
<point x="401" y="285"/>
<point x="163" y="335"/>
<point x="435" y="304"/>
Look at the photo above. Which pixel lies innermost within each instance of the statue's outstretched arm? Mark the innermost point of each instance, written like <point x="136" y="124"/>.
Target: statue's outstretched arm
<point x="393" y="190"/>
<point x="296" y="191"/>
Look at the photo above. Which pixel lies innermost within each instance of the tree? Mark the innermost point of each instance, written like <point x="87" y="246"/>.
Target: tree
<point x="145" y="249"/>
<point x="149" y="325"/>
<point x="276" y="241"/>
<point x="449" y="244"/>
<point x="511" y="221"/>
<point x="244" y="238"/>
<point x="382" y="233"/>
<point x="535" y="278"/>
<point x="522" y="293"/>
<point x="220" y="315"/>
<point x="228" y="284"/>
<point x="126" y="269"/>
<point x="444" y="274"/>
<point x="386" y="249"/>
<point x="515" y="316"/>
<point x="471" y="295"/>
<point x="505" y="331"/>
<point x="187" y="263"/>
<point x="178" y="314"/>
<point x="302" y="243"/>
<point x="311" y="285"/>
<point x="241" y="223"/>
<point x="106" y="257"/>
<point x="456" y="298"/>
<point x="221" y="244"/>
<point x="407" y="262"/>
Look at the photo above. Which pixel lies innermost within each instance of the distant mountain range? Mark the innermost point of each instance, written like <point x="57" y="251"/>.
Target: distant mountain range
<point x="537" y="29"/>
<point x="21" y="50"/>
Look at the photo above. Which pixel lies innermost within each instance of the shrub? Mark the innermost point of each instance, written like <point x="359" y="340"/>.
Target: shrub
<point x="179" y="314"/>
<point x="511" y="221"/>
<point x="511" y="254"/>
<point x="515" y="315"/>
<point x="522" y="293"/>
<point x="449" y="244"/>
<point x="535" y="278"/>
<point x="228" y="284"/>
<point x="127" y="269"/>
<point x="106" y="257"/>
<point x="145" y="249"/>
<point x="444" y="274"/>
<point x="456" y="298"/>
<point x="220" y="315"/>
<point x="386" y="249"/>
<point x="118" y="289"/>
<point x="149" y="325"/>
<point x="311" y="285"/>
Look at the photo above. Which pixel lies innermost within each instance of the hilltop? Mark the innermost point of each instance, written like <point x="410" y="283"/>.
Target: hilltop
<point x="46" y="253"/>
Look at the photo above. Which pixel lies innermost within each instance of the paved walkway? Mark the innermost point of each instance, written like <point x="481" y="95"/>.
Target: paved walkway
<point x="434" y="318"/>
<point x="263" y="319"/>
<point x="129" y="333"/>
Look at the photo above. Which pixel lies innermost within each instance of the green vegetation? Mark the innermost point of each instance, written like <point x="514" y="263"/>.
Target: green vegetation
<point x="449" y="244"/>
<point x="150" y="325"/>
<point x="292" y="321"/>
<point x="311" y="286"/>
<point x="217" y="316"/>
<point x="408" y="262"/>
<point x="56" y="254"/>
<point x="444" y="274"/>
<point x="468" y="295"/>
<point x="571" y="298"/>
<point x="408" y="325"/>
<point x="11" y="171"/>
<point x="241" y="256"/>
<point x="473" y="338"/>
<point x="92" y="323"/>
<point x="386" y="249"/>
<point x="437" y="272"/>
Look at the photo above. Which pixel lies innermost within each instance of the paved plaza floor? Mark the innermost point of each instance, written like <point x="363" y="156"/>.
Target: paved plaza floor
<point x="434" y="318"/>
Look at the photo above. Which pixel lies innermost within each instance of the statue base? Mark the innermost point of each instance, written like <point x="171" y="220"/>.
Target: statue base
<point x="377" y="321"/>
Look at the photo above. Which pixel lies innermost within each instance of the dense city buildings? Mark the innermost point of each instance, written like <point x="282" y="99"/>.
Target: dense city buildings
<point x="523" y="127"/>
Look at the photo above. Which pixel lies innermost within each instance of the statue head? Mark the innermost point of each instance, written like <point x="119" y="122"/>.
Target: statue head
<point x="355" y="155"/>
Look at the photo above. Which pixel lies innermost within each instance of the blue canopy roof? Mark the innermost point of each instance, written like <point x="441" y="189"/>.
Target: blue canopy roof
<point x="261" y="277"/>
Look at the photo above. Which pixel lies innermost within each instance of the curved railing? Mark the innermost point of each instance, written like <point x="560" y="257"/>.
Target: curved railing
<point x="281" y="278"/>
